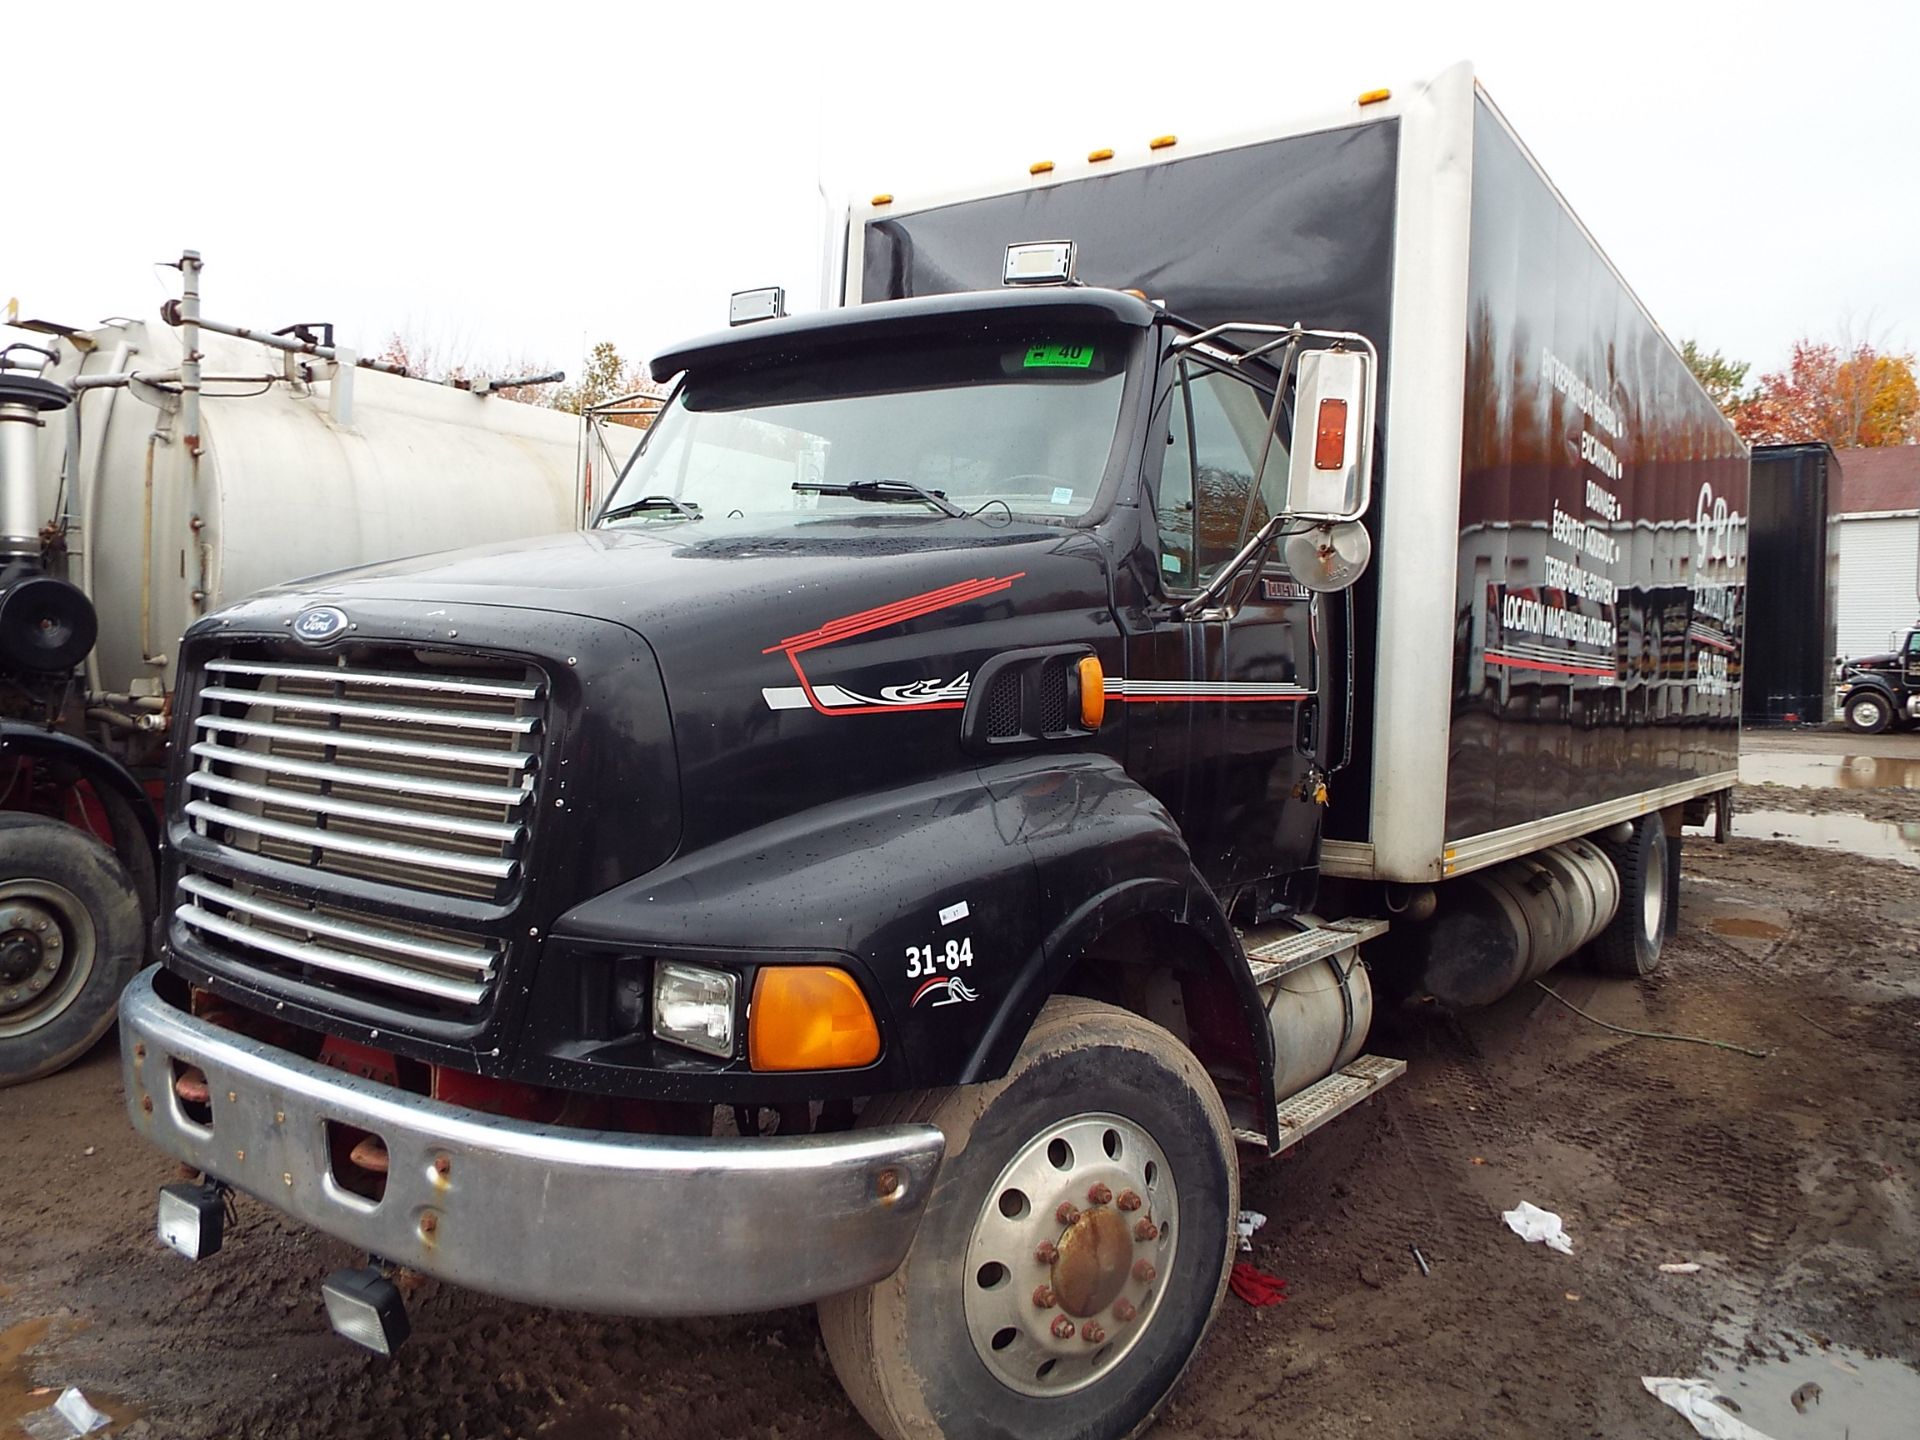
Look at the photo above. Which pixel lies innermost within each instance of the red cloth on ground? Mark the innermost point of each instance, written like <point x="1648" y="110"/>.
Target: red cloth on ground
<point x="1256" y="1286"/>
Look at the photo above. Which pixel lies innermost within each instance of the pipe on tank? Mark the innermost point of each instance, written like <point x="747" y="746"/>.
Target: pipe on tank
<point x="90" y="498"/>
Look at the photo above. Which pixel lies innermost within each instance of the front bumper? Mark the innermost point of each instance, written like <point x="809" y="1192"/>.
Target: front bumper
<point x="587" y="1220"/>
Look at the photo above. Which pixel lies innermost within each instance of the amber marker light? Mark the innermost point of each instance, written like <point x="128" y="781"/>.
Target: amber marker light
<point x="1093" y="692"/>
<point x="809" y="1017"/>
<point x="1096" y="156"/>
<point x="885" y="197"/>
<point x="1040" y="167"/>
<point x="1374" y="97"/>
<point x="1162" y="142"/>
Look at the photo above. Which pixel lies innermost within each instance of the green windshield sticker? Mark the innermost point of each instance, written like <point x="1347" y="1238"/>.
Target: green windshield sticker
<point x="1059" y="357"/>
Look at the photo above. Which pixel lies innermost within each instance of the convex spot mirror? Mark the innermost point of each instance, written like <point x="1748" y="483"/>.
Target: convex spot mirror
<point x="1330" y="471"/>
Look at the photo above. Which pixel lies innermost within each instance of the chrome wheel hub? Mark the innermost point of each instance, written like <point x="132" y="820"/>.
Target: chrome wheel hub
<point x="1063" y="1271"/>
<point x="46" y="953"/>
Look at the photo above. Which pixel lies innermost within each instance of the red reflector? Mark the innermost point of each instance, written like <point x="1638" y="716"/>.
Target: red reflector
<point x="1330" y="445"/>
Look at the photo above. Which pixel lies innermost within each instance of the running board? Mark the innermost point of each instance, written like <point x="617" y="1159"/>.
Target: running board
<point x="1293" y="950"/>
<point x="1320" y="1102"/>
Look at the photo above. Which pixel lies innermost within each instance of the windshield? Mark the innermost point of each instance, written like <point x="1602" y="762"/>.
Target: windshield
<point x="1028" y="421"/>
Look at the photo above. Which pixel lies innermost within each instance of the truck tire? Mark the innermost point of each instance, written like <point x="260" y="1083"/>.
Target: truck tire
<point x="70" y="939"/>
<point x="1630" y="945"/>
<point x="1015" y="1315"/>
<point x="1869" y="713"/>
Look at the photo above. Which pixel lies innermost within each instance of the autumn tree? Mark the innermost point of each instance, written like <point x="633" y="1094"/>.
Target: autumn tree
<point x="1845" y="394"/>
<point x="608" y="377"/>
<point x="1720" y="377"/>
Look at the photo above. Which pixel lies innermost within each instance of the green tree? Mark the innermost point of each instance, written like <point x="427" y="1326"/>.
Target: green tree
<point x="1720" y="377"/>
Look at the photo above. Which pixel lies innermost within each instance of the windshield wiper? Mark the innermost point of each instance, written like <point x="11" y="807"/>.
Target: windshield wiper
<point x="885" y="491"/>
<point x="651" y="502"/>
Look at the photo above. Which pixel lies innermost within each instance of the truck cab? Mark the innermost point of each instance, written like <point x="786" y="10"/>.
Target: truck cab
<point x="1877" y="692"/>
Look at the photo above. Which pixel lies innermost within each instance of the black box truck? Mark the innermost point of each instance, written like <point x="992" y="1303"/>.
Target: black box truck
<point x="1794" y="555"/>
<point x="925" y="830"/>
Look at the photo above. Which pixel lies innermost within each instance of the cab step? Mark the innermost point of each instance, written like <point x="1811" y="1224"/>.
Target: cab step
<point x="1320" y="1102"/>
<point x="1276" y="951"/>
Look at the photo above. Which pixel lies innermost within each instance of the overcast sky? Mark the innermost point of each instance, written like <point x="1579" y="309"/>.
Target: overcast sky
<point x="517" y="181"/>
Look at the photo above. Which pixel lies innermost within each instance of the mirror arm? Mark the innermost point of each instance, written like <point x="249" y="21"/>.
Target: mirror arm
<point x="1216" y="587"/>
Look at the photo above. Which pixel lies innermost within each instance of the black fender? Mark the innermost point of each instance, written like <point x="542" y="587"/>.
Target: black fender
<point x="1872" y="680"/>
<point x="107" y="774"/>
<point x="958" y="903"/>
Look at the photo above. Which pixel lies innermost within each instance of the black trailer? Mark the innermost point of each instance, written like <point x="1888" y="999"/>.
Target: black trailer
<point x="1793" y="585"/>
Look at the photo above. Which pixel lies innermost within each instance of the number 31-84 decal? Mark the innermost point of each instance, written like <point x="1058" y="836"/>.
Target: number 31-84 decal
<point x="926" y="960"/>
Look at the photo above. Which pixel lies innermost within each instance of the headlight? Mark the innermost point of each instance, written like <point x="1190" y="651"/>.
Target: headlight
<point x="694" y="1006"/>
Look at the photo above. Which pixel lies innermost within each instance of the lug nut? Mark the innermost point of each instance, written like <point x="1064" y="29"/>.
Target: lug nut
<point x="1123" y="1310"/>
<point x="1067" y="1213"/>
<point x="441" y="1165"/>
<point x="1062" y="1328"/>
<point x="1144" y="1272"/>
<point x="1129" y="1200"/>
<point x="1044" y="1298"/>
<point x="1098" y="1194"/>
<point x="1145" y="1229"/>
<point x="886" y="1182"/>
<point x="1046" y="1252"/>
<point x="1092" y="1333"/>
<point x="429" y="1223"/>
<point x="146" y="1104"/>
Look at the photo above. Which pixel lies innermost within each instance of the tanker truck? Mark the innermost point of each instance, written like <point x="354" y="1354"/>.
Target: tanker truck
<point x="975" y="778"/>
<point x="151" y="471"/>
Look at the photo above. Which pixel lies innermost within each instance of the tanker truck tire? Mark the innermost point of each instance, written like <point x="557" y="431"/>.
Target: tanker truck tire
<point x="1630" y="945"/>
<point x="1869" y="714"/>
<point x="1074" y="1250"/>
<point x="70" y="939"/>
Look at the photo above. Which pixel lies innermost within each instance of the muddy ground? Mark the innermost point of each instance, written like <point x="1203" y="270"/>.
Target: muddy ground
<point x="1790" y="1180"/>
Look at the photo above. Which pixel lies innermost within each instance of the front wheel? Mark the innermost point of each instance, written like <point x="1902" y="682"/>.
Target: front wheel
<point x="1074" y="1250"/>
<point x="70" y="939"/>
<point x="1868" y="714"/>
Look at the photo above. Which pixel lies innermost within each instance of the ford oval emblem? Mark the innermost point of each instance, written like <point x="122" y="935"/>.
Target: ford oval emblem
<point x="319" y="623"/>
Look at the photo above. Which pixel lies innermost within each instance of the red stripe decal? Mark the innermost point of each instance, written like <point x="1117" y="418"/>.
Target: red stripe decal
<point x="897" y="612"/>
<point x="1519" y="664"/>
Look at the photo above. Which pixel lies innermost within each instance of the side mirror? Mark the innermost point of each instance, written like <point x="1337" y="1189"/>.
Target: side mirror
<point x="1330" y="475"/>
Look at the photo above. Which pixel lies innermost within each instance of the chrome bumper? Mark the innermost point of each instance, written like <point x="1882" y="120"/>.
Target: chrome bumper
<point x="587" y="1220"/>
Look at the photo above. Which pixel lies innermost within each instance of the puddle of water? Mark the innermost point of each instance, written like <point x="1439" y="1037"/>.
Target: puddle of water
<point x="1881" y="839"/>
<point x="1844" y="772"/>
<point x="1843" y="1394"/>
<point x="1741" y="927"/>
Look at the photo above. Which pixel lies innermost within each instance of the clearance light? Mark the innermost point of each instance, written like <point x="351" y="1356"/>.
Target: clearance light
<point x="1162" y="142"/>
<point x="810" y="1017"/>
<point x="1374" y="97"/>
<point x="885" y="197"/>
<point x="1093" y="692"/>
<point x="1040" y="167"/>
<point x="1096" y="156"/>
<point x="1041" y="262"/>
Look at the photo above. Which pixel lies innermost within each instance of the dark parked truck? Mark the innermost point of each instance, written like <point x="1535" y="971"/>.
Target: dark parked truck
<point x="926" y="828"/>
<point x="1877" y="691"/>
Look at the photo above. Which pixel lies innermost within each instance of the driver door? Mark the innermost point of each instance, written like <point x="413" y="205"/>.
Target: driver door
<point x="1223" y="709"/>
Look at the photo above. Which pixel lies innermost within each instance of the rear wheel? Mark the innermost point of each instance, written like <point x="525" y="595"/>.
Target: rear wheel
<point x="70" y="939"/>
<point x="1869" y="714"/>
<point x="1630" y="945"/>
<point x="1074" y="1249"/>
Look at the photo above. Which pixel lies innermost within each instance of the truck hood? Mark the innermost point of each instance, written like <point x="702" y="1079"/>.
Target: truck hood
<point x="822" y="659"/>
<point x="709" y="578"/>
<point x="1887" y="661"/>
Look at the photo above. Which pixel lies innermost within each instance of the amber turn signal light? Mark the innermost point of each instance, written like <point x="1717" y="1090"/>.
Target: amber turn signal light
<point x="1093" y="692"/>
<point x="810" y="1017"/>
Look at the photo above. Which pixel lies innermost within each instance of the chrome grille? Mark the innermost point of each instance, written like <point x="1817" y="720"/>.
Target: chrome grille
<point x="403" y="771"/>
<point x="412" y="778"/>
<point x="412" y="960"/>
